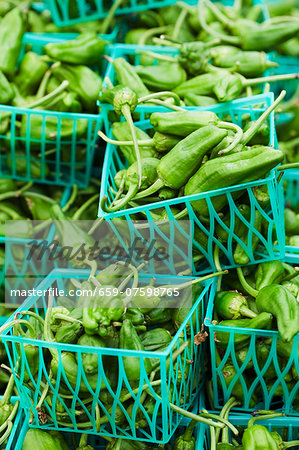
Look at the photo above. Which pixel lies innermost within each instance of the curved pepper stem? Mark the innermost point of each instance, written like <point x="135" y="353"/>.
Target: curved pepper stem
<point x="250" y="290"/>
<point x="237" y="139"/>
<point x="270" y="79"/>
<point x="83" y="207"/>
<point x="108" y="19"/>
<point x="288" y="166"/>
<point x="257" y="124"/>
<point x="252" y="421"/>
<point x="133" y="189"/>
<point x="151" y="32"/>
<point x="146" y="142"/>
<point x="158" y="184"/>
<point x="225" y="38"/>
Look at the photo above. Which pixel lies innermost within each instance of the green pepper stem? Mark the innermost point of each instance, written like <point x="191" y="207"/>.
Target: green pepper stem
<point x="219" y="15"/>
<point x="8" y="391"/>
<point x="47" y="327"/>
<point x="95" y="225"/>
<point x="225" y="436"/>
<point x="43" y="85"/>
<point x="176" y="353"/>
<point x="108" y="19"/>
<point x="247" y="312"/>
<point x="263" y="417"/>
<point x="11" y="212"/>
<point x="83" y="207"/>
<point x="40" y="196"/>
<point x="145" y="143"/>
<point x="7" y="432"/>
<point x="159" y="94"/>
<point x="237" y="139"/>
<point x="156" y="186"/>
<point x="167" y="105"/>
<point x="33" y="314"/>
<point x="133" y="189"/>
<point x="290" y="276"/>
<point x="83" y="440"/>
<point x="288" y="166"/>
<point x="257" y="124"/>
<point x="250" y="290"/>
<point x="149" y="33"/>
<point x="225" y="408"/>
<point x="157" y="55"/>
<point x="44" y="393"/>
<point x="189" y="430"/>
<point x="225" y="38"/>
<point x="41" y="101"/>
<point x="290" y="444"/>
<point x="190" y="283"/>
<point x="179" y="22"/>
<point x="71" y="199"/>
<point x="163" y="41"/>
<point x="270" y="79"/>
<point x="213" y="438"/>
<point x="127" y="114"/>
<point x="18" y="193"/>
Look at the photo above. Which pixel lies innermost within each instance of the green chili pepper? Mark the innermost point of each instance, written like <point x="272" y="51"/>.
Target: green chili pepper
<point x="127" y="76"/>
<point x="239" y="226"/>
<point x="31" y="72"/>
<point x="191" y="99"/>
<point x="90" y="360"/>
<point x="149" y="176"/>
<point x="157" y="316"/>
<point x="155" y="339"/>
<point x="228" y="171"/>
<point x="267" y="273"/>
<point x="129" y="340"/>
<point x="68" y="333"/>
<point x="162" y="77"/>
<point x="261" y="321"/>
<point x="100" y="310"/>
<point x="232" y="305"/>
<point x="249" y="64"/>
<point x="277" y="300"/>
<point x="258" y="437"/>
<point x="164" y="142"/>
<point x="11" y="34"/>
<point x="82" y="80"/>
<point x="122" y="132"/>
<point x="86" y="49"/>
<point x="187" y="441"/>
<point x="182" y="161"/>
<point x="43" y="440"/>
<point x="134" y="315"/>
<point x="291" y="220"/>
<point x="230" y="374"/>
<point x="6" y="90"/>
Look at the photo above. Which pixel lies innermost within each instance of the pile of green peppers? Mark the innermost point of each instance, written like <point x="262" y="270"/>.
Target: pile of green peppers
<point x="240" y="24"/>
<point x="252" y="436"/>
<point x="112" y="320"/>
<point x="262" y="297"/>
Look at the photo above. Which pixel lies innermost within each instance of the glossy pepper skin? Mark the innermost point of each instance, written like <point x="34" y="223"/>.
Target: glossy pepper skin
<point x="6" y="90"/>
<point x="232" y="305"/>
<point x="11" y="34"/>
<point x="261" y="321"/>
<point x="162" y="77"/>
<point x="182" y="123"/>
<point x="257" y="437"/>
<point x="31" y="72"/>
<point x="82" y="80"/>
<point x="240" y="255"/>
<point x="182" y="161"/>
<point x="121" y="131"/>
<point x="230" y="170"/>
<point x="43" y="440"/>
<point x="129" y="340"/>
<point x="90" y="360"/>
<point x="284" y="306"/>
<point x="99" y="310"/>
<point x="127" y="76"/>
<point x="86" y="49"/>
<point x="267" y="273"/>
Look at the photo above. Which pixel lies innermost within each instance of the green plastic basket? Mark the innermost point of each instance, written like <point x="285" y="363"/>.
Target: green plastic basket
<point x="287" y="427"/>
<point x="273" y="215"/>
<point x="12" y="441"/>
<point x="69" y="12"/>
<point x="266" y="398"/>
<point x="70" y="163"/>
<point x="133" y="54"/>
<point x="180" y="382"/>
<point x="24" y="269"/>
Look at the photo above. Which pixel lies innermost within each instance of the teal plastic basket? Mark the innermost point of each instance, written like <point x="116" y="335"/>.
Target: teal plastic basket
<point x="180" y="382"/>
<point x="273" y="215"/>
<point x="69" y="12"/>
<point x="133" y="53"/>
<point x="25" y="269"/>
<point x="70" y="163"/>
<point x="265" y="397"/>
<point x="11" y="442"/>
<point x="287" y="427"/>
